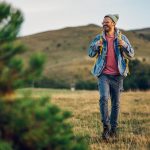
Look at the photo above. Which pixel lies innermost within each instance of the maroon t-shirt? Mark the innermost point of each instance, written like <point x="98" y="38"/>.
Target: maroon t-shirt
<point x="111" y="66"/>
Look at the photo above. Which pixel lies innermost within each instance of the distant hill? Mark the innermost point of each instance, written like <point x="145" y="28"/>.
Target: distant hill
<point x="66" y="50"/>
<point x="143" y="33"/>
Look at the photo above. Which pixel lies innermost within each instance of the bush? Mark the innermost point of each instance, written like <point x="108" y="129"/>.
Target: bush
<point x="37" y="125"/>
<point x="139" y="77"/>
<point x="5" y="146"/>
<point x="89" y="85"/>
<point x="51" y="83"/>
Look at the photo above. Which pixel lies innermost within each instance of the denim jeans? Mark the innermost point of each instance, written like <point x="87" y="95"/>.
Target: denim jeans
<point x="110" y="86"/>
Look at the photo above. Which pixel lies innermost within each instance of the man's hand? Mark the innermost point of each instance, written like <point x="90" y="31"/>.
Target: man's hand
<point x="121" y="43"/>
<point x="99" y="43"/>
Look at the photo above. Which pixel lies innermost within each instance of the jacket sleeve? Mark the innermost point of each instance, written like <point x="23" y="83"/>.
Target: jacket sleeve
<point x="127" y="48"/>
<point x="93" y="49"/>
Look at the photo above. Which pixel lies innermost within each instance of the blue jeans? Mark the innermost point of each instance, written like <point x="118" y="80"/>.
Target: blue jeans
<point x="110" y="86"/>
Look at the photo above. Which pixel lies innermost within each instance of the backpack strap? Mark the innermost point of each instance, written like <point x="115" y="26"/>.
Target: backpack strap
<point x="100" y="49"/>
<point x="126" y="59"/>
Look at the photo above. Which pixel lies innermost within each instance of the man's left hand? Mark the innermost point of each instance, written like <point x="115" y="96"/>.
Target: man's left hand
<point x="121" y="43"/>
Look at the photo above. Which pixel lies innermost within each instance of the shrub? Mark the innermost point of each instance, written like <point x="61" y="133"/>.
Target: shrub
<point x="36" y="124"/>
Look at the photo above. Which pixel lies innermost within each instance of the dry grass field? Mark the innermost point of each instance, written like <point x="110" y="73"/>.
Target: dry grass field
<point x="134" y="118"/>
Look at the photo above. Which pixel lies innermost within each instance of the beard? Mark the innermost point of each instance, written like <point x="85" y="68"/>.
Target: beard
<point x="106" y="28"/>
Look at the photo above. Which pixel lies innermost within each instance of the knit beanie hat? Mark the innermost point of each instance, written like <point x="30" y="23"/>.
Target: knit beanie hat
<point x="113" y="17"/>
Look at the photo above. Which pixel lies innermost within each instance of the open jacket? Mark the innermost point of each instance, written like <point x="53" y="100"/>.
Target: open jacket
<point x="99" y="65"/>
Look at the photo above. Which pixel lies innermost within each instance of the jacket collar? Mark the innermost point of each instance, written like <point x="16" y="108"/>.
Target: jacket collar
<point x="117" y="32"/>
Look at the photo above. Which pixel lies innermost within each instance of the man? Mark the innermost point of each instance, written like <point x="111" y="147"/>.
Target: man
<point x="111" y="49"/>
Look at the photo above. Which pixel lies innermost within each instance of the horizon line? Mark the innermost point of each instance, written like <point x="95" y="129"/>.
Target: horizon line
<point x="61" y="28"/>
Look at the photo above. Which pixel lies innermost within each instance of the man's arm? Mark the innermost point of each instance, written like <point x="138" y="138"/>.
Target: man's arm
<point x="94" y="47"/>
<point x="126" y="47"/>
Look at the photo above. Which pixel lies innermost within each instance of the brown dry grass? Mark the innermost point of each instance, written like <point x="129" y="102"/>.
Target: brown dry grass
<point x="134" y="119"/>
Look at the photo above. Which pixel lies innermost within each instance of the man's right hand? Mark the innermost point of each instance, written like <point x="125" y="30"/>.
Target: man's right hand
<point x="99" y="43"/>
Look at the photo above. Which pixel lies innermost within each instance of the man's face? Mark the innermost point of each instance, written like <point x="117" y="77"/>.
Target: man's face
<point x="108" y="24"/>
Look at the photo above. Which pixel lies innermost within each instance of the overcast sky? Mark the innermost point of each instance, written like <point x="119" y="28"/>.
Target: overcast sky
<point x="44" y="15"/>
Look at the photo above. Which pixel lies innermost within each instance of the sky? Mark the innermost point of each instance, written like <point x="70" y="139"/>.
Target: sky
<point x="45" y="15"/>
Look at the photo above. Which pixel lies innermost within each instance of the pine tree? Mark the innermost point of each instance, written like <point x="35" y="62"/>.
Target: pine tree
<point x="26" y="123"/>
<point x="12" y="70"/>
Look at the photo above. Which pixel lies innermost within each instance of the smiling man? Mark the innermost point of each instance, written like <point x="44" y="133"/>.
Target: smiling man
<point x="111" y="49"/>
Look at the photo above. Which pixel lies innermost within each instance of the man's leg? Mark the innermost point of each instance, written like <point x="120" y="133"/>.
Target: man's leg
<point x="103" y="85"/>
<point x="115" y="88"/>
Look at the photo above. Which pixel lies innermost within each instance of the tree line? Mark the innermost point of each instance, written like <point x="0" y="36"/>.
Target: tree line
<point x="138" y="79"/>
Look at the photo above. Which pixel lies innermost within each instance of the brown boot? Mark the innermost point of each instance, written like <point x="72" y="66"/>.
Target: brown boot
<point x="105" y="134"/>
<point x="113" y="133"/>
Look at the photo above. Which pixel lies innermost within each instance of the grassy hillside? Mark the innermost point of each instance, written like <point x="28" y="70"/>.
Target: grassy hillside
<point x="143" y="33"/>
<point x="134" y="118"/>
<point x="66" y="50"/>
